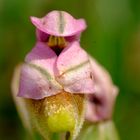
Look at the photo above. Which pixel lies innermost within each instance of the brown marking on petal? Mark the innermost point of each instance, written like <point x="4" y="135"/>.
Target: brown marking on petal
<point x="61" y="22"/>
<point x="91" y="75"/>
<point x="43" y="21"/>
<point x="95" y="100"/>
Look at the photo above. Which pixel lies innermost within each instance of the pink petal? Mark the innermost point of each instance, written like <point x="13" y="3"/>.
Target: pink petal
<point x="37" y="76"/>
<point x="100" y="105"/>
<point x="59" y="23"/>
<point x="42" y="56"/>
<point x="41" y="36"/>
<point x="73" y="55"/>
<point x="36" y="83"/>
<point x="103" y="81"/>
<point x="74" y="71"/>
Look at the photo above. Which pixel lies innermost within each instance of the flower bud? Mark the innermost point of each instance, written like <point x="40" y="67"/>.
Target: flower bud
<point x="100" y="105"/>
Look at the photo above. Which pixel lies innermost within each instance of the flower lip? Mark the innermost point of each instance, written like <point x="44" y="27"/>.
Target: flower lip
<point x="59" y="23"/>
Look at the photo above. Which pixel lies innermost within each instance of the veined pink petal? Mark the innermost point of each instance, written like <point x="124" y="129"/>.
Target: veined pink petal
<point x="36" y="83"/>
<point x="59" y="23"/>
<point x="37" y="75"/>
<point x="72" y="56"/>
<point x="42" y="56"/>
<point x="74" y="71"/>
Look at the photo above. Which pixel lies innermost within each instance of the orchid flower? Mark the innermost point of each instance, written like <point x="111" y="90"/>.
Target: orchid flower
<point x="57" y="63"/>
<point x="55" y="77"/>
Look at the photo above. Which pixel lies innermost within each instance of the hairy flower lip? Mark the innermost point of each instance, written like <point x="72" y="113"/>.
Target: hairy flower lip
<point x="59" y="23"/>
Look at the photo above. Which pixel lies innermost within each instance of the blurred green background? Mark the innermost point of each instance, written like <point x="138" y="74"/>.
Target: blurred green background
<point x="112" y="37"/>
